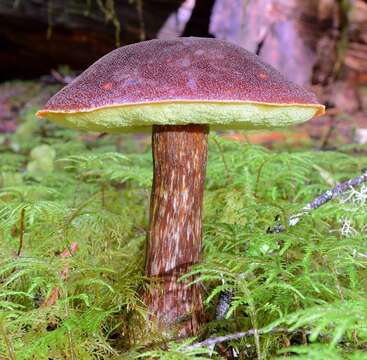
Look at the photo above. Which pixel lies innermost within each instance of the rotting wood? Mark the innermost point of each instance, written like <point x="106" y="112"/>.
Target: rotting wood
<point x="45" y="34"/>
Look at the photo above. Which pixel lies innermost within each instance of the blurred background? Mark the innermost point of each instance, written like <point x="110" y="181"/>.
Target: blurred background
<point x="321" y="44"/>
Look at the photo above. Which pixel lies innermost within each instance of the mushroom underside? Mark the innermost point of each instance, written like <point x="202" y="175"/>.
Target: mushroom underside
<point x="220" y="115"/>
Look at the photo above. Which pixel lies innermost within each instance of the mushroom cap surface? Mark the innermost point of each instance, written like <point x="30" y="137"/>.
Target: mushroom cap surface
<point x="180" y="81"/>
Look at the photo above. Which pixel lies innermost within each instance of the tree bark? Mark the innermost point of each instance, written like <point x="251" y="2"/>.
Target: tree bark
<point x="174" y="239"/>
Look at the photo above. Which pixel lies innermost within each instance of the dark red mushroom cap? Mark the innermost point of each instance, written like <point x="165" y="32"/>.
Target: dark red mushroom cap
<point x="185" y="80"/>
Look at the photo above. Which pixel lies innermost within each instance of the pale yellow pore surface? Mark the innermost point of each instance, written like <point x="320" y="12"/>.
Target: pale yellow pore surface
<point x="219" y="115"/>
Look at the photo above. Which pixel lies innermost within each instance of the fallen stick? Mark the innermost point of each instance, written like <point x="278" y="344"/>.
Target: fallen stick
<point x="327" y="196"/>
<point x="212" y="341"/>
<point x="235" y="336"/>
<point x="215" y="340"/>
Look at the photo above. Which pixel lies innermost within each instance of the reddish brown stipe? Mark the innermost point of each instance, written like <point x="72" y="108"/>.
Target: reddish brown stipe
<point x="174" y="239"/>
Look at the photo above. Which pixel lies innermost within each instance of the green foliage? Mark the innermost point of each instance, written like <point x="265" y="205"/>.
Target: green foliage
<point x="94" y="191"/>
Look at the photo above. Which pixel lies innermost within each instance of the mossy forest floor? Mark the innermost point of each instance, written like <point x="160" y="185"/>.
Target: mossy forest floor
<point x="73" y="217"/>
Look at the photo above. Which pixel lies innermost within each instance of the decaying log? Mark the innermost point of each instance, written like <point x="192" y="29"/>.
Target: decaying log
<point x="37" y="35"/>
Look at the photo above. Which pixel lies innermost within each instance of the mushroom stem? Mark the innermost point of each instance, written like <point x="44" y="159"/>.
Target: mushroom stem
<point x="174" y="239"/>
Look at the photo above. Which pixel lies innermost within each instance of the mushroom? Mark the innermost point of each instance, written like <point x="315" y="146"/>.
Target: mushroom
<point x="178" y="88"/>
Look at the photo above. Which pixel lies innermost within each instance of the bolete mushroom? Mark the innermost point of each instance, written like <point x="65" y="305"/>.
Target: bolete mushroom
<point x="178" y="88"/>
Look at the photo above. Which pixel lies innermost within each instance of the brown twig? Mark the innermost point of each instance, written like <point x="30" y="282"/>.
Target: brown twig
<point x="327" y="136"/>
<point x="21" y="231"/>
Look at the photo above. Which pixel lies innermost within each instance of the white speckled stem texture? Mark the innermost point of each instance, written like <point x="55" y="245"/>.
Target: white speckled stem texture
<point x="174" y="239"/>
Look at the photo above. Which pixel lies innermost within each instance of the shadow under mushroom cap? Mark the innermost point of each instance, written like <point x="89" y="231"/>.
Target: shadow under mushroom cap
<point x="180" y="81"/>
